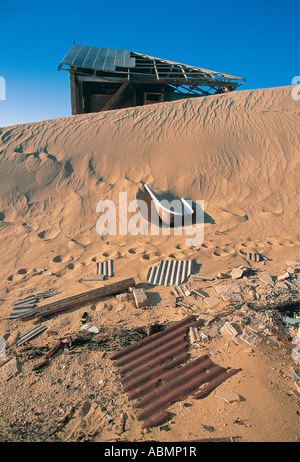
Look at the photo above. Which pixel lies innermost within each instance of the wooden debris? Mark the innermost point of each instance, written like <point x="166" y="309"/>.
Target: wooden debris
<point x="200" y="292"/>
<point x="201" y="277"/>
<point x="266" y="278"/>
<point x="222" y="276"/>
<point x="283" y="277"/>
<point x="207" y="318"/>
<point x="230" y="328"/>
<point x="250" y="338"/>
<point x="239" y="272"/>
<point x="9" y="369"/>
<point x="237" y="298"/>
<point x="293" y="263"/>
<point x="93" y="277"/>
<point x="81" y="299"/>
<point x="193" y="335"/>
<point x="45" y="361"/>
<point x="249" y="282"/>
<point x="229" y="292"/>
<point x="227" y="288"/>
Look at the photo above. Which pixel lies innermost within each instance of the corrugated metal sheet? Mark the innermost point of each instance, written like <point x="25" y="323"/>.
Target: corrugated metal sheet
<point x="154" y="370"/>
<point x="27" y="305"/>
<point x="253" y="256"/>
<point x="169" y="272"/>
<point x="181" y="291"/>
<point x="106" y="268"/>
<point x="105" y="59"/>
<point x="29" y="334"/>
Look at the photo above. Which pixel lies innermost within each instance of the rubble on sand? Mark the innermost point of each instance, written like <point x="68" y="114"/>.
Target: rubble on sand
<point x="243" y="305"/>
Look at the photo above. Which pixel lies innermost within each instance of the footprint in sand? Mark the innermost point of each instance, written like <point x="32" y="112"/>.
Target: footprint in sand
<point x="115" y="255"/>
<point x="21" y="273"/>
<point x="223" y="252"/>
<point x="48" y="170"/>
<point x="47" y="234"/>
<point x="57" y="259"/>
<point x="41" y="235"/>
<point x="282" y="242"/>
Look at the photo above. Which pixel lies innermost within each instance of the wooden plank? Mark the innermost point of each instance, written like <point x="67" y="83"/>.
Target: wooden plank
<point x="115" y="96"/>
<point x="82" y="299"/>
<point x="9" y="369"/>
<point x="93" y="277"/>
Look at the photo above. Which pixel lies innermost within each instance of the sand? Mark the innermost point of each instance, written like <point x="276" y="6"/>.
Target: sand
<point x="237" y="152"/>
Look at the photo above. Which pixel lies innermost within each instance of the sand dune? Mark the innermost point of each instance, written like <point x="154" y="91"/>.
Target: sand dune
<point x="239" y="153"/>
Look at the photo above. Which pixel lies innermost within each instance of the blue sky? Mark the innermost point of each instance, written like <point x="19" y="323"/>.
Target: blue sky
<point x="254" y="39"/>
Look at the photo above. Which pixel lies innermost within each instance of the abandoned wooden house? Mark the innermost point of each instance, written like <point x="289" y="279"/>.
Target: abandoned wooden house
<point x="102" y="79"/>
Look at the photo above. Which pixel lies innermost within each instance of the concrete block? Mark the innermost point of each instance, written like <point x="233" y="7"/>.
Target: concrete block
<point x="140" y="298"/>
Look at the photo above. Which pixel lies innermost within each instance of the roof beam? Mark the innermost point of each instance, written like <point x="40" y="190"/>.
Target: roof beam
<point x="155" y="68"/>
<point x="115" y="97"/>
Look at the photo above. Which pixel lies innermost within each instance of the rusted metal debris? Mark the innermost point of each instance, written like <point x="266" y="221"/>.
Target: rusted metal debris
<point x="80" y="299"/>
<point x="154" y="371"/>
<point x="45" y="361"/>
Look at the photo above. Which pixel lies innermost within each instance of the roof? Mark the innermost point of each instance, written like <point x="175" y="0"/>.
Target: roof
<point x="104" y="59"/>
<point x="134" y="65"/>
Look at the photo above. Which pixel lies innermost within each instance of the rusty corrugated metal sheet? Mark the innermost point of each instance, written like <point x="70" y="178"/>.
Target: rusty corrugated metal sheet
<point x="156" y="370"/>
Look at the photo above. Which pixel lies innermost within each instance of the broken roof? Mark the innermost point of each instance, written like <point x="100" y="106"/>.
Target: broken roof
<point x="133" y="66"/>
